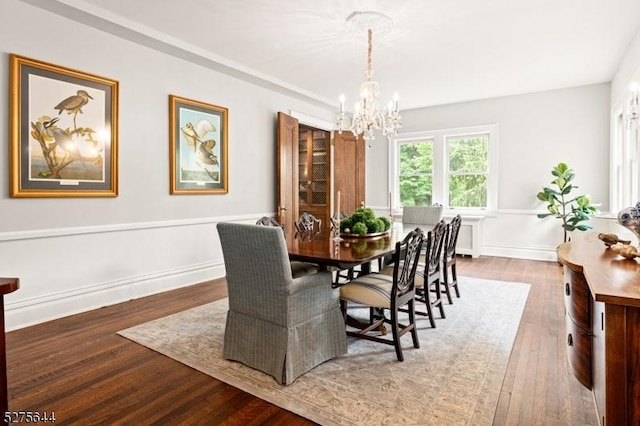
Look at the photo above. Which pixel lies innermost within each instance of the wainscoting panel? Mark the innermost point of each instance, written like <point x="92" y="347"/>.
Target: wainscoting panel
<point x="68" y="271"/>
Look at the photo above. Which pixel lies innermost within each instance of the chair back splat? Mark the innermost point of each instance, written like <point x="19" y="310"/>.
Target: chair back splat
<point x="267" y="221"/>
<point x="278" y="324"/>
<point x="449" y="274"/>
<point x="308" y="222"/>
<point x="428" y="280"/>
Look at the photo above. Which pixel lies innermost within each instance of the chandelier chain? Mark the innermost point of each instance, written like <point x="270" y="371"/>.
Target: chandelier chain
<point x="369" y="55"/>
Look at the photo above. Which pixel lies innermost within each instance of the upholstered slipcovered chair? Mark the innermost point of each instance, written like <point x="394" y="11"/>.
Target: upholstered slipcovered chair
<point x="277" y="324"/>
<point x="427" y="216"/>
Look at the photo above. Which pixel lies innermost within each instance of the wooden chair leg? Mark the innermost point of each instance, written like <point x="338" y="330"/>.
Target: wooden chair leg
<point x="395" y="330"/>
<point x="445" y="282"/>
<point x="343" y="308"/>
<point x="438" y="301"/>
<point x="428" y="306"/>
<point x="454" y="278"/>
<point x="412" y="322"/>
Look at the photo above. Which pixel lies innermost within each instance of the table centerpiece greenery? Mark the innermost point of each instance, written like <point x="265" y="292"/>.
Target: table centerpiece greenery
<point x="364" y="221"/>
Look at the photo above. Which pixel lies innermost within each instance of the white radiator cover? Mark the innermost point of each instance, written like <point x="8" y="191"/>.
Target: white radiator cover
<point x="470" y="236"/>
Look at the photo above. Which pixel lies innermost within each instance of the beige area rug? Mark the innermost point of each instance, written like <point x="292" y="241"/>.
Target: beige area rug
<point x="453" y="379"/>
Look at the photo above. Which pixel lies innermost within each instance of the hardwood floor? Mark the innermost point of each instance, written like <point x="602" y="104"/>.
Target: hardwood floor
<point x="79" y="368"/>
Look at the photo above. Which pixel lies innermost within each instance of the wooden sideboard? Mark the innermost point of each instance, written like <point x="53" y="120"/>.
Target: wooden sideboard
<point x="602" y="304"/>
<point x="7" y="285"/>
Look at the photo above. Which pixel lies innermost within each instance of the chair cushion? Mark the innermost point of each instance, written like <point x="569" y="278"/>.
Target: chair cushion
<point x="299" y="269"/>
<point x="371" y="290"/>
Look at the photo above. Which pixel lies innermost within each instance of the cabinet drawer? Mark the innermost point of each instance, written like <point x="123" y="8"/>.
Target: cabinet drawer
<point x="578" y="343"/>
<point x="577" y="299"/>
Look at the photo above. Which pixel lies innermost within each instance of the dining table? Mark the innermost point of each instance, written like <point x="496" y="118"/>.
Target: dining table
<point x="329" y="250"/>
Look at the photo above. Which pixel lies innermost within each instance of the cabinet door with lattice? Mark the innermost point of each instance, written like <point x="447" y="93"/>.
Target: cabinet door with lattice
<point x="314" y="172"/>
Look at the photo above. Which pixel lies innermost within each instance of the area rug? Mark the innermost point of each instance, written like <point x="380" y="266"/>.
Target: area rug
<point x="454" y="378"/>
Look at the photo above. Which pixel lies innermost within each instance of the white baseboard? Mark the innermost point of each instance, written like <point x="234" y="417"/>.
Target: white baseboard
<point x="57" y="305"/>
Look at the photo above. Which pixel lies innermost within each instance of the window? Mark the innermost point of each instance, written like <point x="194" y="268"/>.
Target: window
<point x="454" y="167"/>
<point x="416" y="173"/>
<point x="468" y="170"/>
<point x="624" y="161"/>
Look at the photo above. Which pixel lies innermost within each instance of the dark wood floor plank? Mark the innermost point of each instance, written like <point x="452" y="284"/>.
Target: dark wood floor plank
<point x="81" y="369"/>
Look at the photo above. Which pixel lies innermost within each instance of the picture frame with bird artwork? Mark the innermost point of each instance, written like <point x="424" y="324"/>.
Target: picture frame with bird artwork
<point x="198" y="147"/>
<point x="63" y="129"/>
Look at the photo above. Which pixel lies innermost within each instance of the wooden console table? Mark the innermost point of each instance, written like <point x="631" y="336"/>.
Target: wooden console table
<point x="7" y="285"/>
<point x="602" y="302"/>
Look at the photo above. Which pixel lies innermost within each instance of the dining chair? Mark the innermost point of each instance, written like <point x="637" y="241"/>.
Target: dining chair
<point x="268" y="221"/>
<point x="297" y="268"/>
<point x="428" y="280"/>
<point x="450" y="280"/>
<point x="278" y="324"/>
<point x="308" y="222"/>
<point x="390" y="294"/>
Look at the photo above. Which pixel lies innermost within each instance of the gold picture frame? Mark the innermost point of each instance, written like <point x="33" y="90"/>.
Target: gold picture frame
<point x="63" y="131"/>
<point x="198" y="147"/>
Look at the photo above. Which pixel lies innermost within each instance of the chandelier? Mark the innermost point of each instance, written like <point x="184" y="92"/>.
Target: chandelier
<point x="368" y="116"/>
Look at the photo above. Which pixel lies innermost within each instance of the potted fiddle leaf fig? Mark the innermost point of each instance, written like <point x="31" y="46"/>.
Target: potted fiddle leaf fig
<point x="571" y="210"/>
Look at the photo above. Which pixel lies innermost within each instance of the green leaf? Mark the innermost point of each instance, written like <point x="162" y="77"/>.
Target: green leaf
<point x="562" y="167"/>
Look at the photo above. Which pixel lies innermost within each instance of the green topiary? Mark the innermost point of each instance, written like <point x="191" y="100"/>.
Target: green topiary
<point x="364" y="221"/>
<point x="359" y="228"/>
<point x="386" y="223"/>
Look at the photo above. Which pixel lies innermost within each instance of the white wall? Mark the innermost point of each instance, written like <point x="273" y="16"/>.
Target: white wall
<point x="628" y="71"/>
<point x="536" y="131"/>
<point x="73" y="255"/>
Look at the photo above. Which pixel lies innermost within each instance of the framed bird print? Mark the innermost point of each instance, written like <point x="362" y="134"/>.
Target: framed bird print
<point x="198" y="151"/>
<point x="63" y="131"/>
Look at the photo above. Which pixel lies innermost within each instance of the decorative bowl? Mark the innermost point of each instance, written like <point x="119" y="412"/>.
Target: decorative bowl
<point x="361" y="236"/>
<point x="630" y="219"/>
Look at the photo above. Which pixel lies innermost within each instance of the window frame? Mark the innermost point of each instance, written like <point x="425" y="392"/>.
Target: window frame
<point x="440" y="190"/>
<point x="624" y="156"/>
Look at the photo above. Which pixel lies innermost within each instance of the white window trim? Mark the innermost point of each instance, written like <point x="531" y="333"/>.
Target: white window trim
<point x="440" y="169"/>
<point x="624" y="188"/>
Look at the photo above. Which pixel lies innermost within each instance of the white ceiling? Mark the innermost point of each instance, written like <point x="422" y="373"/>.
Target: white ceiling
<point x="438" y="52"/>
